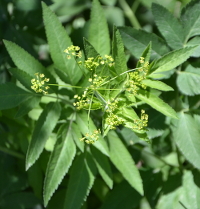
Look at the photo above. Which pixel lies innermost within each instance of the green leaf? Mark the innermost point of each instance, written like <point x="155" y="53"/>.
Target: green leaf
<point x="59" y="162"/>
<point x="169" y="26"/>
<point x="27" y="65"/>
<point x="188" y="81"/>
<point x="118" y="52"/>
<point x="157" y="103"/>
<point x="194" y="42"/>
<point x="23" y="77"/>
<point x="27" y="106"/>
<point x="190" y="194"/>
<point x="186" y="135"/>
<point x="44" y="127"/>
<point x="103" y="166"/>
<point x="157" y="85"/>
<point x="137" y="40"/>
<point x="11" y="95"/>
<point x="146" y="54"/>
<point x="86" y="125"/>
<point x="98" y="29"/>
<point x="172" y="59"/>
<point x="82" y="177"/>
<point x="123" y="161"/>
<point x="190" y="18"/>
<point x="122" y="196"/>
<point x="58" y="41"/>
<point x="90" y="51"/>
<point x="76" y="134"/>
<point x="23" y="60"/>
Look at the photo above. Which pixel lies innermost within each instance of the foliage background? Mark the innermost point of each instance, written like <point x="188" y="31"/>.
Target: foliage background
<point x="168" y="177"/>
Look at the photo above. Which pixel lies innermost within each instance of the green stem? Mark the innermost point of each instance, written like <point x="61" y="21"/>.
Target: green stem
<point x="11" y="152"/>
<point x="129" y="13"/>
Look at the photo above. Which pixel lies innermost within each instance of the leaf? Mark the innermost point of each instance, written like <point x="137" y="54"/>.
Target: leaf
<point x="186" y="135"/>
<point x="27" y="65"/>
<point x="90" y="51"/>
<point x="122" y="196"/>
<point x="23" y="77"/>
<point x="169" y="26"/>
<point x="58" y="41"/>
<point x="123" y="161"/>
<point x="146" y="54"/>
<point x="27" y="106"/>
<point x="172" y="59"/>
<point x="190" y="194"/>
<point x="11" y="95"/>
<point x="81" y="180"/>
<point x="60" y="161"/>
<point x="118" y="52"/>
<point x="188" y="81"/>
<point x="44" y="127"/>
<point x="98" y="29"/>
<point x="76" y="135"/>
<point x="103" y="166"/>
<point x="194" y="42"/>
<point x="86" y="126"/>
<point x="157" y="85"/>
<point x="23" y="60"/>
<point x="190" y="22"/>
<point x="137" y="40"/>
<point x="157" y="103"/>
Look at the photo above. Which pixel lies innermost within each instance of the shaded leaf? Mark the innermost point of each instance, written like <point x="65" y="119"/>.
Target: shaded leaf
<point x="81" y="180"/>
<point x="137" y="40"/>
<point x="123" y="161"/>
<point x="27" y="106"/>
<point x="169" y="26"/>
<point x="186" y="135"/>
<point x="98" y="29"/>
<point x="103" y="166"/>
<point x="76" y="134"/>
<point x="23" y="77"/>
<point x="11" y="96"/>
<point x="122" y="196"/>
<point x="157" y="103"/>
<point x="90" y="51"/>
<point x="61" y="159"/>
<point x="188" y="81"/>
<point x="44" y="127"/>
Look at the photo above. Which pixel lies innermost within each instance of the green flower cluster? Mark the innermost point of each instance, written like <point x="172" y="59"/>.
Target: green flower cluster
<point x="91" y="138"/>
<point x="142" y="122"/>
<point x="73" y="51"/>
<point x="38" y="83"/>
<point x="134" y="83"/>
<point x="92" y="63"/>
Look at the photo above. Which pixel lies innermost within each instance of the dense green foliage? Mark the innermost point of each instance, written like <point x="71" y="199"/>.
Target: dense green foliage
<point x="98" y="114"/>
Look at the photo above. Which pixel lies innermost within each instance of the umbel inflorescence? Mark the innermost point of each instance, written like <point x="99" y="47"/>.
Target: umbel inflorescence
<point x="100" y="91"/>
<point x="39" y="83"/>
